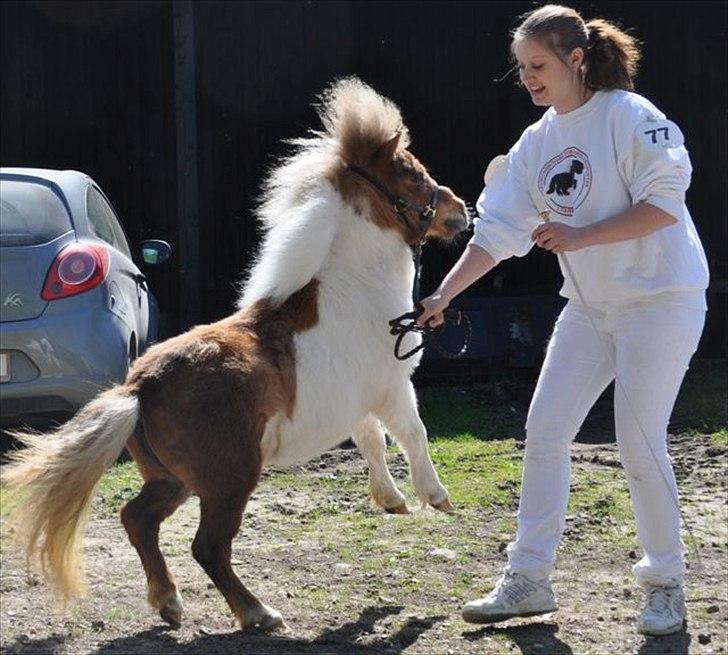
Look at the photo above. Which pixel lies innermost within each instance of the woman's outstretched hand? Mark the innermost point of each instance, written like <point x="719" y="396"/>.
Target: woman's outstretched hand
<point x="433" y="306"/>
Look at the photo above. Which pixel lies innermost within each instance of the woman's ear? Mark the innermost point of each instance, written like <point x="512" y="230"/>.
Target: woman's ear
<point x="576" y="59"/>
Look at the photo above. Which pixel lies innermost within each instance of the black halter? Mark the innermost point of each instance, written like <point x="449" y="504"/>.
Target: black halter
<point x="407" y="322"/>
<point x="400" y="205"/>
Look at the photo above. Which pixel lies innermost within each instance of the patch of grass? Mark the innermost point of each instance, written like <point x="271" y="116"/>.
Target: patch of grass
<point x="477" y="473"/>
<point x="702" y="404"/>
<point x="497" y="409"/>
<point x="720" y="438"/>
<point x="117" y="486"/>
<point x="489" y="410"/>
<point x="600" y="508"/>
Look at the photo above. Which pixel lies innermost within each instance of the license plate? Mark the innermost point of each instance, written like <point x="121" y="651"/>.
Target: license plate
<point x="4" y="367"/>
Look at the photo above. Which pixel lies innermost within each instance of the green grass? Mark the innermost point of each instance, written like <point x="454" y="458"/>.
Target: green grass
<point x="720" y="438"/>
<point x="472" y="429"/>
<point x="117" y="486"/>
<point x="702" y="404"/>
<point x="477" y="473"/>
<point x="497" y="409"/>
<point x="489" y="410"/>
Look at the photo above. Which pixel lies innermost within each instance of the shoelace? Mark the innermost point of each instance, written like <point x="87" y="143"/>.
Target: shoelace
<point x="660" y="599"/>
<point x="514" y="589"/>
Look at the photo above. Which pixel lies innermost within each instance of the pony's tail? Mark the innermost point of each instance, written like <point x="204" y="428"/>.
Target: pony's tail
<point x="52" y="481"/>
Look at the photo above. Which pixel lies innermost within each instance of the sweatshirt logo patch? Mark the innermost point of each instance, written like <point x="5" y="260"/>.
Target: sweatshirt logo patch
<point x="565" y="181"/>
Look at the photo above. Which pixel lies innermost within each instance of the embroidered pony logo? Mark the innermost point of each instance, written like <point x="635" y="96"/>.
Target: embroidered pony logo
<point x="562" y="183"/>
<point x="565" y="181"/>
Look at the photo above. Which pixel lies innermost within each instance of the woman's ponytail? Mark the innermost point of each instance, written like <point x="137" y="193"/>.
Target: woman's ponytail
<point x="611" y="57"/>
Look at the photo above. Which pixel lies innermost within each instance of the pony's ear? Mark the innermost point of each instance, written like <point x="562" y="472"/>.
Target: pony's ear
<point x="387" y="151"/>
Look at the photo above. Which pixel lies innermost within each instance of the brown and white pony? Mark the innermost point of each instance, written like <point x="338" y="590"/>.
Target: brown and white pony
<point x="304" y="362"/>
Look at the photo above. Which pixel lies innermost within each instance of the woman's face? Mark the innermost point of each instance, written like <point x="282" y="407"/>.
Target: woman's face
<point x="550" y="80"/>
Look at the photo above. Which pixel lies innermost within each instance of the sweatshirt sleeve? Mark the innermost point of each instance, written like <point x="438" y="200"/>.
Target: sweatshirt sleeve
<point x="653" y="161"/>
<point x="506" y="213"/>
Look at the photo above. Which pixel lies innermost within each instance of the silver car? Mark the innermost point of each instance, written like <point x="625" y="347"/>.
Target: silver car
<point x="74" y="308"/>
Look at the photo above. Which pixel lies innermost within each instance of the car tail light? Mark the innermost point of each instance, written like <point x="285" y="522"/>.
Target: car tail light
<point x="77" y="268"/>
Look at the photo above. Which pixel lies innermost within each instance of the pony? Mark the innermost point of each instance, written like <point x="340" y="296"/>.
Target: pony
<point x="305" y="361"/>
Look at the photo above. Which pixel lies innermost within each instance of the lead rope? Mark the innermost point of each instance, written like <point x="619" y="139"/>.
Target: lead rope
<point x="695" y="548"/>
<point x="406" y="323"/>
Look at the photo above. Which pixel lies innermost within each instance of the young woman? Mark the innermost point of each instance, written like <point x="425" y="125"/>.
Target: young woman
<point x="600" y="180"/>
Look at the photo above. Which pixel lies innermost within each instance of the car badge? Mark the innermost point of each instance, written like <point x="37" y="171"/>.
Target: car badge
<point x="13" y="300"/>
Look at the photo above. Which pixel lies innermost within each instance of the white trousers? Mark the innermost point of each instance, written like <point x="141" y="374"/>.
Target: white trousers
<point x="651" y="342"/>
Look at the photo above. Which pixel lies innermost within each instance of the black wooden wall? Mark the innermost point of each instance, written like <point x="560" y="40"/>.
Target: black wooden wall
<point x="91" y="86"/>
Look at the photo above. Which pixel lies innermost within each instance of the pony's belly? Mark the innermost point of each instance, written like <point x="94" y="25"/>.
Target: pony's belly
<point x="289" y="442"/>
<point x="344" y="370"/>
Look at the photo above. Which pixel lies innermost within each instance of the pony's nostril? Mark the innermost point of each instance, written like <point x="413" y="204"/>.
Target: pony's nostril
<point x="455" y="223"/>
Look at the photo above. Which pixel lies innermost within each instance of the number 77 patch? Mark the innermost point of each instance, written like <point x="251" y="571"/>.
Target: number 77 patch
<point x="659" y="134"/>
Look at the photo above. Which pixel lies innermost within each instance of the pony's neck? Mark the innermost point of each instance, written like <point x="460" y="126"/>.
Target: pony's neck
<point x="297" y="249"/>
<point x="323" y="236"/>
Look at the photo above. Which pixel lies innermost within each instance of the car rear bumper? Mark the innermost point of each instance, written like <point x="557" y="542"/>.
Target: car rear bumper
<point x="61" y="360"/>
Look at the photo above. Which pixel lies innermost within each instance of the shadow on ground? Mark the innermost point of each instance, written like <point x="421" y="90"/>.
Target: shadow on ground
<point x="342" y="640"/>
<point x="531" y="638"/>
<point x="539" y="638"/>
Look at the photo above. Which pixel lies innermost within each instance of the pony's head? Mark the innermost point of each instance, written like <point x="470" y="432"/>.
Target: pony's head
<point x="374" y="166"/>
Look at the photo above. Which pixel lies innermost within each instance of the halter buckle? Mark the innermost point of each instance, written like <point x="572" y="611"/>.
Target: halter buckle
<point x="400" y="205"/>
<point x="428" y="212"/>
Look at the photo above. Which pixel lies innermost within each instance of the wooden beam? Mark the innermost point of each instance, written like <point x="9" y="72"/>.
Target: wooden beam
<point x="188" y="218"/>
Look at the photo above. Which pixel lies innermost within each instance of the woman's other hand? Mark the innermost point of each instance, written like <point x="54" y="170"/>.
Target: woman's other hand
<point x="559" y="237"/>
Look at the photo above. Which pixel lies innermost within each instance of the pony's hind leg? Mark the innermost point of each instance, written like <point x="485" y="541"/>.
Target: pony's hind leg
<point x="399" y="413"/>
<point x="220" y="518"/>
<point x="372" y="444"/>
<point x="141" y="517"/>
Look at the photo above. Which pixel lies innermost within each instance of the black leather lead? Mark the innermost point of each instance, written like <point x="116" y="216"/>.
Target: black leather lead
<point x="406" y="323"/>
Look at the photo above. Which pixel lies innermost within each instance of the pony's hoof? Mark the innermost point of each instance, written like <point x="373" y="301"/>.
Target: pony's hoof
<point x="171" y="610"/>
<point x="266" y="619"/>
<point x="444" y="505"/>
<point x="398" y="509"/>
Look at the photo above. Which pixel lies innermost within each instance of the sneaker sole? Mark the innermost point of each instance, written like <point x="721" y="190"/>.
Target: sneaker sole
<point x="661" y="633"/>
<point x="479" y="618"/>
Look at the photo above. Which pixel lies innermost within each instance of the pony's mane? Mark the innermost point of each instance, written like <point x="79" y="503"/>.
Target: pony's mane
<point x="357" y="121"/>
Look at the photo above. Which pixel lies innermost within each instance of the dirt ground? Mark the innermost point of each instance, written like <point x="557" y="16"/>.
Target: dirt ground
<point x="338" y="597"/>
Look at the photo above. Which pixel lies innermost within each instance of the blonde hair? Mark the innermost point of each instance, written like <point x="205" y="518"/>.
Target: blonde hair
<point x="610" y="54"/>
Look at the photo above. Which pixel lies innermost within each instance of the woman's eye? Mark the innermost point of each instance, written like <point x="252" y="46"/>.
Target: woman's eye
<point x="537" y="67"/>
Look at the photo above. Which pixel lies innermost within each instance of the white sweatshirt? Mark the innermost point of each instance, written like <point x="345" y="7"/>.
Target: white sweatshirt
<point x="614" y="151"/>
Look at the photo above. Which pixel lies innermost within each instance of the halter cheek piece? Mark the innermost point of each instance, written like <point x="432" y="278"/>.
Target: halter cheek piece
<point x="407" y="322"/>
<point x="400" y="205"/>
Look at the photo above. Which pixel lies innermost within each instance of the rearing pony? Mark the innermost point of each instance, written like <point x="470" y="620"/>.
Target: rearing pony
<point x="305" y="361"/>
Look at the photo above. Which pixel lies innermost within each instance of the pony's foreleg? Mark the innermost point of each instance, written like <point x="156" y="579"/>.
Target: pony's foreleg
<point x="372" y="444"/>
<point x="399" y="413"/>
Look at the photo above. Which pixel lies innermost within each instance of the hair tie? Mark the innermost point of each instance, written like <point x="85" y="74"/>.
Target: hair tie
<point x="591" y="37"/>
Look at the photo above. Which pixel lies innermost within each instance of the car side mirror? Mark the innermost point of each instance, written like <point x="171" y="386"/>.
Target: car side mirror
<point x="155" y="251"/>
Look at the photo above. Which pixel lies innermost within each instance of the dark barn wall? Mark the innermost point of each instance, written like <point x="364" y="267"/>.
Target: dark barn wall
<point x="260" y="65"/>
<point x="98" y="94"/>
<point x="90" y="86"/>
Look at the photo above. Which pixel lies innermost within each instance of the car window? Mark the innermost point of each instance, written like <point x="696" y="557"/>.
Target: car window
<point x="104" y="222"/>
<point x="30" y="214"/>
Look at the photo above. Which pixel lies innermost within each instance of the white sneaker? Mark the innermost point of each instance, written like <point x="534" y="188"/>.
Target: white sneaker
<point x="664" y="612"/>
<point x="514" y="595"/>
